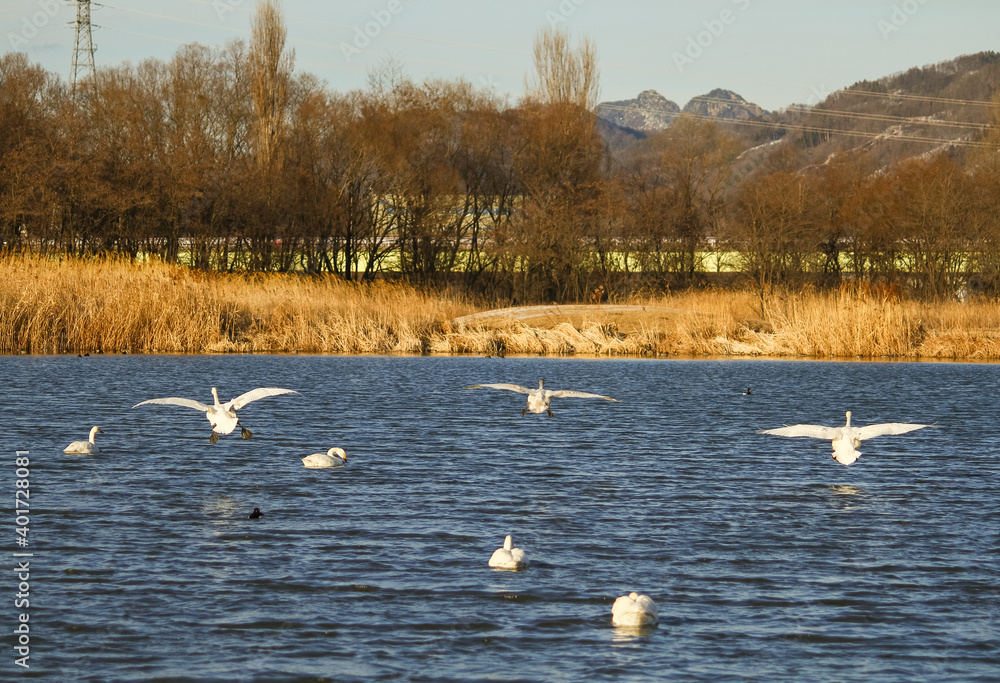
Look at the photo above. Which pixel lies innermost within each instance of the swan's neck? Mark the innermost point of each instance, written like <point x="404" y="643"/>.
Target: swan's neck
<point x="541" y="384"/>
<point x="215" y="395"/>
<point x="848" y="418"/>
<point x="93" y="433"/>
<point x="508" y="543"/>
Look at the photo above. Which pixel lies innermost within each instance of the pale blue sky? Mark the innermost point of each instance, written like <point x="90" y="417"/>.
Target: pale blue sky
<point x="773" y="52"/>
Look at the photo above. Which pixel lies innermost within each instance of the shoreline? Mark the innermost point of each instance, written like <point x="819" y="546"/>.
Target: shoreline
<point x="523" y="356"/>
<point x="78" y="306"/>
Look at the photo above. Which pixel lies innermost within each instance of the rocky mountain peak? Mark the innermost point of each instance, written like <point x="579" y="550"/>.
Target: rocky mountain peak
<point x="650" y="111"/>
<point x="722" y="104"/>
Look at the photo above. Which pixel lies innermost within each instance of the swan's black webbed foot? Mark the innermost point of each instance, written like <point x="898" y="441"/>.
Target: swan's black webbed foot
<point x="214" y="437"/>
<point x="549" y="411"/>
<point x="524" y="412"/>
<point x="247" y="434"/>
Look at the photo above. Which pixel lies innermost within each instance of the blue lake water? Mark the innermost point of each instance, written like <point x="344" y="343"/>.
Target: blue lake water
<point x="767" y="559"/>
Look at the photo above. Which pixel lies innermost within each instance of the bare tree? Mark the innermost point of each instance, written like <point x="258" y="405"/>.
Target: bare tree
<point x="562" y="75"/>
<point x="270" y="73"/>
<point x="931" y="214"/>
<point x="684" y="173"/>
<point x="773" y="232"/>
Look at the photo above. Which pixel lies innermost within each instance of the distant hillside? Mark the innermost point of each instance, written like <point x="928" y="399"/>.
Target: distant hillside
<point x="651" y="111"/>
<point x="648" y="112"/>
<point x="933" y="109"/>
<point x="939" y="108"/>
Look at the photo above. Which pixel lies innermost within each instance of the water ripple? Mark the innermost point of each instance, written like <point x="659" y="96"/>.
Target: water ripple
<point x="768" y="561"/>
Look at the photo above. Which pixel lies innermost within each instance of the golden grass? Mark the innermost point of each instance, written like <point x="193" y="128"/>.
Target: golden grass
<point x="114" y="305"/>
<point x="730" y="323"/>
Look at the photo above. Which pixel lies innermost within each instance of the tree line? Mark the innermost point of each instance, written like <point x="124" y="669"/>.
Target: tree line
<point x="226" y="159"/>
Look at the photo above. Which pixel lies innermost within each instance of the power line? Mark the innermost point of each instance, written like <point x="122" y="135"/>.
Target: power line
<point x="888" y="118"/>
<point x="146" y="35"/>
<point x="807" y="128"/>
<point x="154" y="15"/>
<point x="904" y="96"/>
<point x="852" y="133"/>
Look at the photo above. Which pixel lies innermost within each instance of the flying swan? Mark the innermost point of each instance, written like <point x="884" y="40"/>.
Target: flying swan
<point x="540" y="399"/>
<point x="634" y="610"/>
<point x="222" y="416"/>
<point x="84" y="447"/>
<point x="335" y="457"/>
<point x="846" y="439"/>
<point x="508" y="557"/>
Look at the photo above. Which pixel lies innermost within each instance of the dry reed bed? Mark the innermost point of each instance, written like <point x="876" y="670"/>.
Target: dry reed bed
<point x="113" y="305"/>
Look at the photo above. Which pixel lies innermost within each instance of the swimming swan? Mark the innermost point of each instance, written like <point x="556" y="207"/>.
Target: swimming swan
<point x="222" y="416"/>
<point x="508" y="557"/>
<point x="335" y="457"/>
<point x="540" y="399"/>
<point x="634" y="610"/>
<point x="846" y="439"/>
<point x="84" y="447"/>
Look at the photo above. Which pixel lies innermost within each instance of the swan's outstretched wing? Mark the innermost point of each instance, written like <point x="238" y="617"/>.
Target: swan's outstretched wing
<point x="174" y="401"/>
<point x="568" y="393"/>
<point x="256" y="395"/>
<point x="508" y="387"/>
<point x="814" y="431"/>
<point x="871" y="431"/>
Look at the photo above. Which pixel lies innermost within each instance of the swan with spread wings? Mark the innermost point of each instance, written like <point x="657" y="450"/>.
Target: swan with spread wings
<point x="222" y="416"/>
<point x="540" y="399"/>
<point x="847" y="439"/>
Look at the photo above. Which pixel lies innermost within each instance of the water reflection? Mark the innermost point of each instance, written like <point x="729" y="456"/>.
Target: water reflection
<point x="848" y="502"/>
<point x="220" y="510"/>
<point x="631" y="634"/>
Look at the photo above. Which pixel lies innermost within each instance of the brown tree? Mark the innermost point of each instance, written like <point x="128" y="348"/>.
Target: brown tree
<point x="677" y="184"/>
<point x="270" y="67"/>
<point x="557" y="157"/>
<point x="773" y="231"/>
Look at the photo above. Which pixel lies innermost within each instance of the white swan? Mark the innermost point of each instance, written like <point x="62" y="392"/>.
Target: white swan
<point x="634" y="610"/>
<point x="335" y="457"/>
<point x="508" y="557"/>
<point x="222" y="416"/>
<point x="540" y="399"/>
<point x="84" y="447"/>
<point x="846" y="439"/>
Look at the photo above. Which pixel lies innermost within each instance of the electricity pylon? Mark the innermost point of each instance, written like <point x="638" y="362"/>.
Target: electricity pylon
<point x="83" y="45"/>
